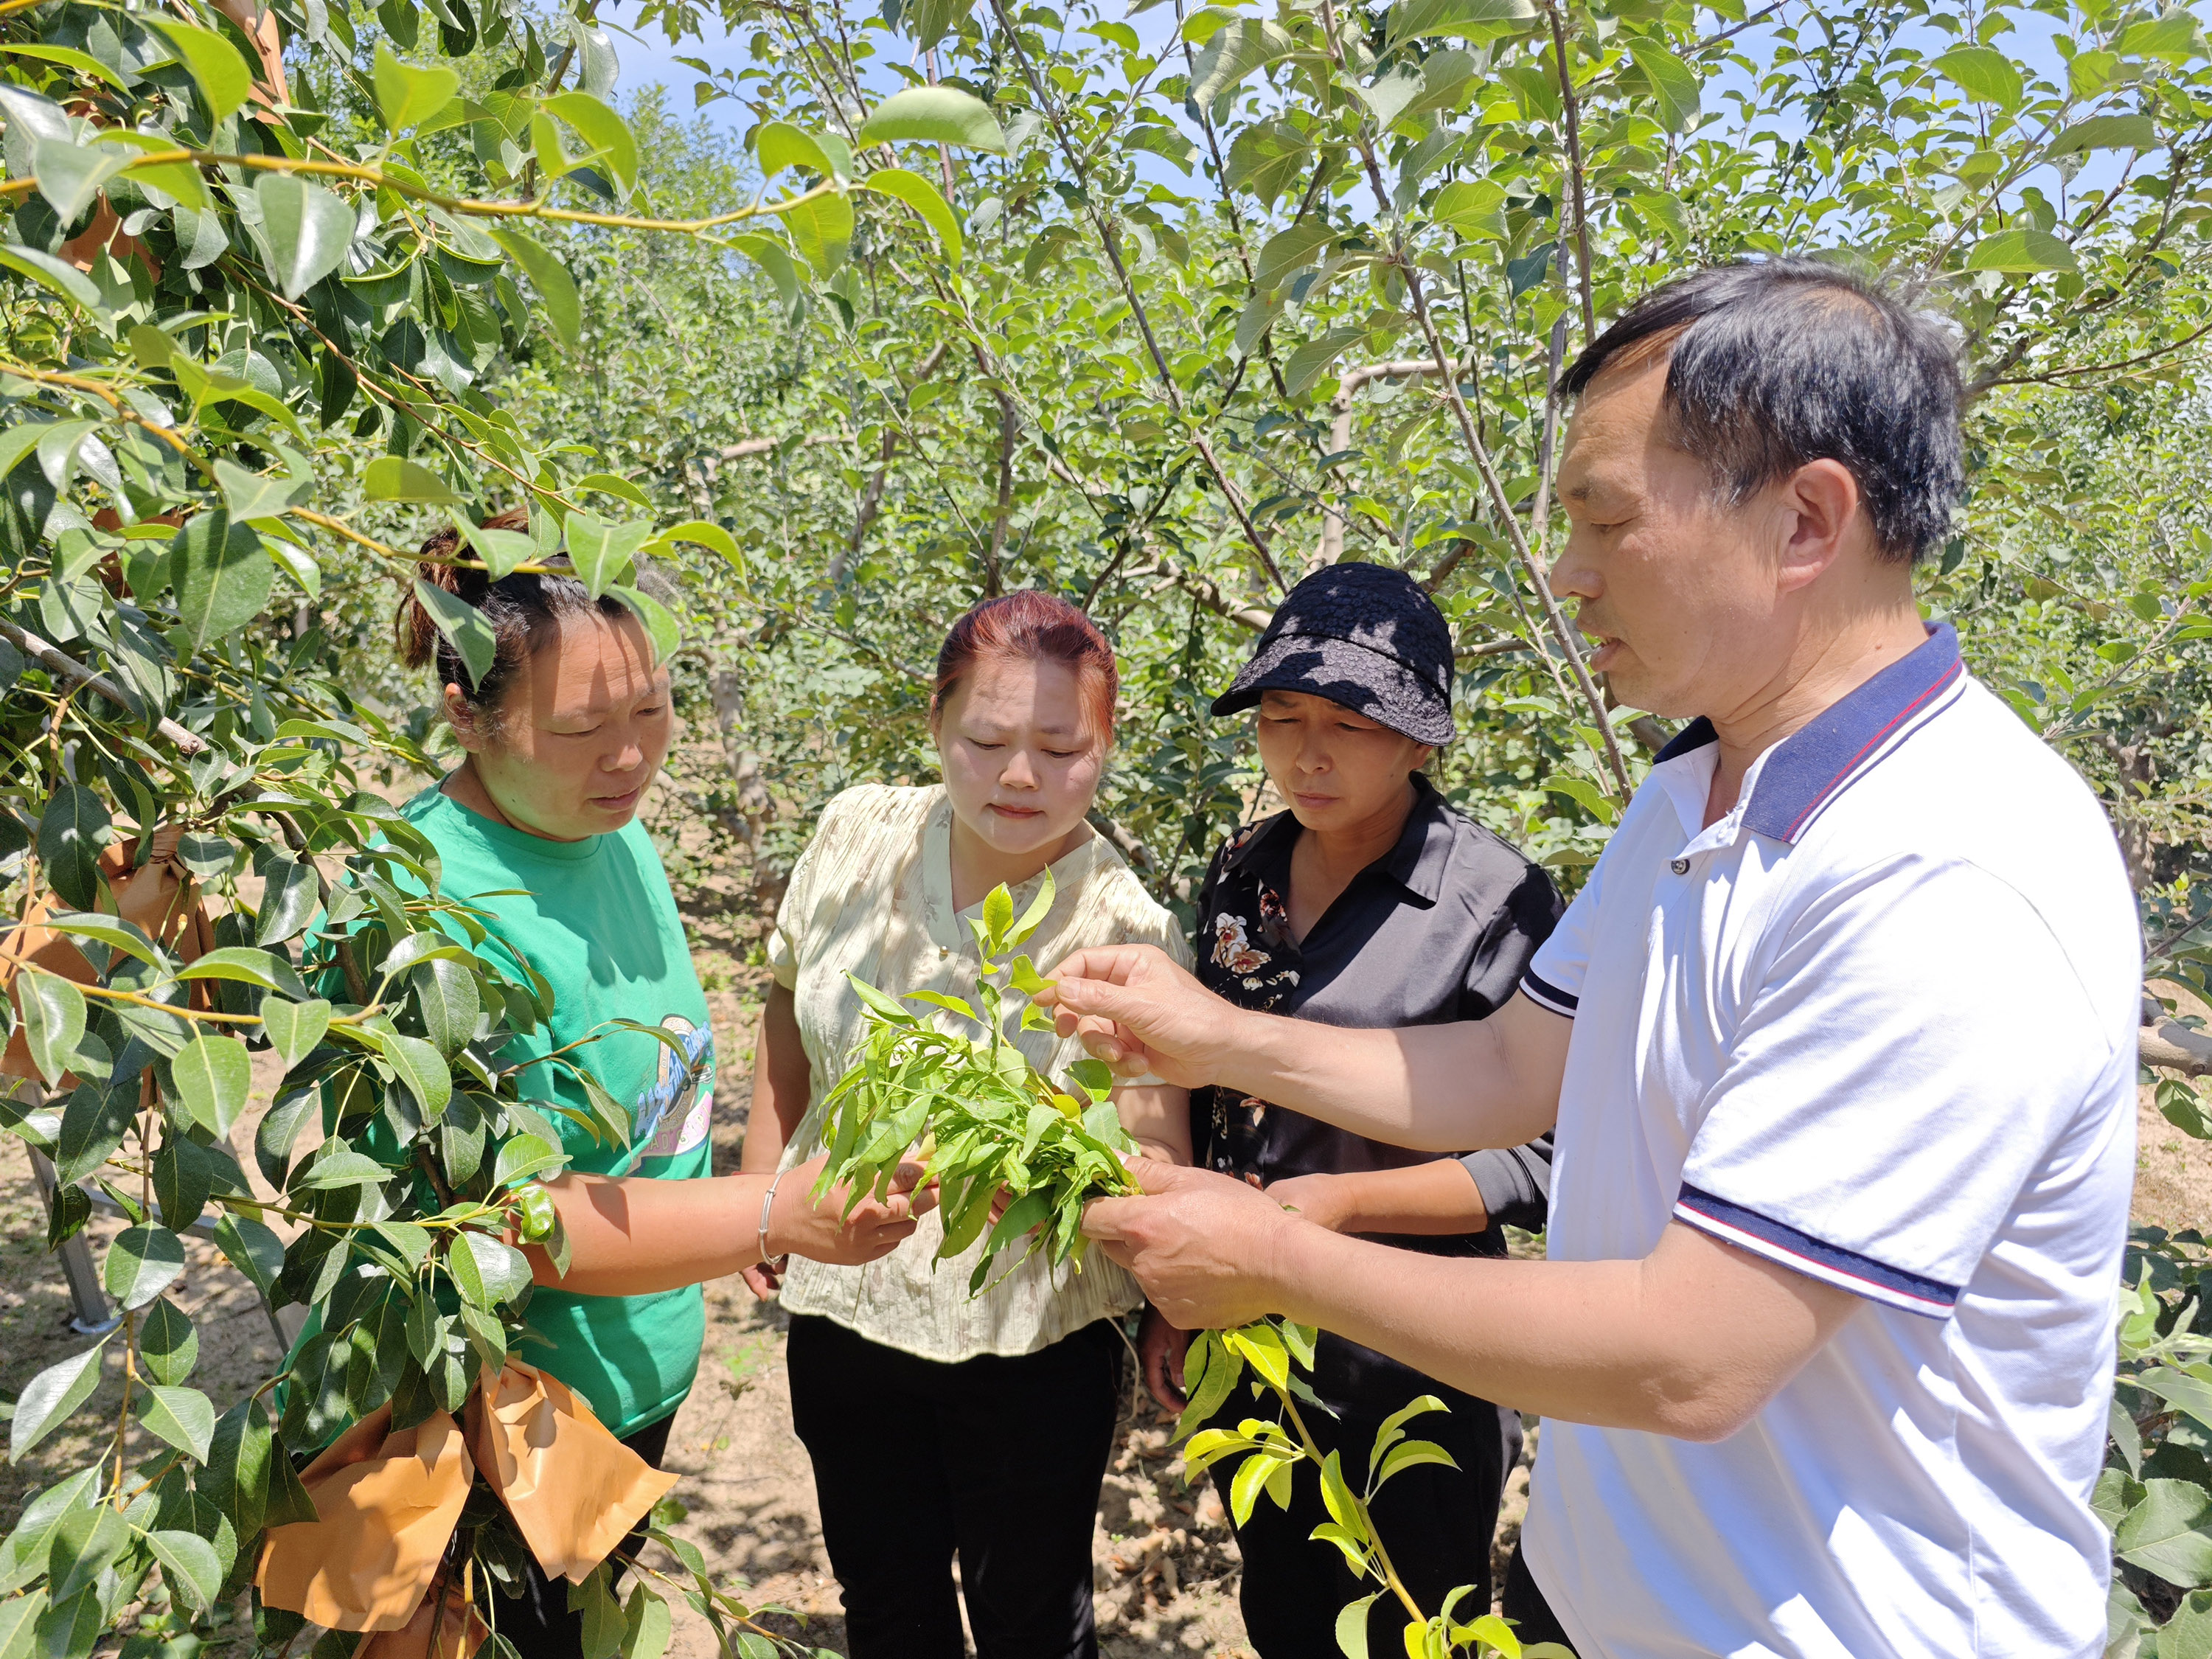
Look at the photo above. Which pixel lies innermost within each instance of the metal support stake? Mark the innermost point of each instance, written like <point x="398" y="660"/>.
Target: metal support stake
<point x="89" y="1314"/>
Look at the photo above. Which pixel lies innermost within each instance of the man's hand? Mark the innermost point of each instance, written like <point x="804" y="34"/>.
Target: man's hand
<point x="1160" y="1349"/>
<point x="1202" y="1245"/>
<point x="798" y="1224"/>
<point x="1138" y="1012"/>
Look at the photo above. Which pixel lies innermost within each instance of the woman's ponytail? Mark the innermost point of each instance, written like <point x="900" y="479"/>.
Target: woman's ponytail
<point x="412" y="630"/>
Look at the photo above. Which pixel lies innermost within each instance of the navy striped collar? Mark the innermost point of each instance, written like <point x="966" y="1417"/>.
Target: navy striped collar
<point x="1818" y="759"/>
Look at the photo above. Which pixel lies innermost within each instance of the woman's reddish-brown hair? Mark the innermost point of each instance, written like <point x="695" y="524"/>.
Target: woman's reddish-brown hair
<point x="1032" y="626"/>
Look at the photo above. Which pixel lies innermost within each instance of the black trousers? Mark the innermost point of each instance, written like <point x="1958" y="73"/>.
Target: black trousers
<point x="997" y="1460"/>
<point x="1435" y="1521"/>
<point x="540" y="1624"/>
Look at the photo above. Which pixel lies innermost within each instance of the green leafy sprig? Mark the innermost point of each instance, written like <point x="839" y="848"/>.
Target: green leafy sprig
<point x="1273" y="1447"/>
<point x="982" y="1119"/>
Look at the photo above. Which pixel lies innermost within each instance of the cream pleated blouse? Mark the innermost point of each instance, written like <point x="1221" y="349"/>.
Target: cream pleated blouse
<point x="873" y="895"/>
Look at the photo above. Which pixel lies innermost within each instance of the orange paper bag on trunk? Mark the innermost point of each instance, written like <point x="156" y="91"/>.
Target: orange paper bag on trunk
<point x="572" y="1487"/>
<point x="454" y="1632"/>
<point x="386" y="1504"/>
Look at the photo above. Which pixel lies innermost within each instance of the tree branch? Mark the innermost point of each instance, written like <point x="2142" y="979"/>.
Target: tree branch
<point x="54" y="660"/>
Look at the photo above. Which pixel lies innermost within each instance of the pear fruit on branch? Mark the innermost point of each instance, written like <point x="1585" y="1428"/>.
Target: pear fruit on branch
<point x="979" y="1117"/>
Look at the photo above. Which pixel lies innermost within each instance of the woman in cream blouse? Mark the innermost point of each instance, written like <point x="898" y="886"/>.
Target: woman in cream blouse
<point x="939" y="1422"/>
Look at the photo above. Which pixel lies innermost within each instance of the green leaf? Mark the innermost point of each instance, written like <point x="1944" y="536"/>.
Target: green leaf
<point x="1473" y="207"/>
<point x="1408" y="1454"/>
<point x="1033" y="918"/>
<point x="223" y="577"/>
<point x="463" y="628"/>
<point x="778" y="145"/>
<point x="446" y="994"/>
<point x="521" y="1158"/>
<point x="84" y="62"/>
<point x="213" y="1076"/>
<point x="711" y="536"/>
<point x="254" y="494"/>
<point x="918" y="193"/>
<point x="395" y="478"/>
<point x="938" y="115"/>
<point x="1262" y="1349"/>
<point x="341" y="1168"/>
<point x="168" y="1345"/>
<point x="295" y="1027"/>
<point x="2188" y="1634"/>
<point x="407" y="96"/>
<point x="646" y="1625"/>
<point x="1984" y="74"/>
<point x="1392" y="1429"/>
<point x="216" y="68"/>
<point x="246" y="966"/>
<point x="70" y="175"/>
<point x="773" y="258"/>
<point x="83" y="1547"/>
<point x="71" y="831"/>
<point x="179" y="181"/>
<point x="1313" y="359"/>
<point x="1672" y="83"/>
<point x="52" y="1396"/>
<point x="1290" y="251"/>
<point x="2104" y="132"/>
<point x="53" y="1014"/>
<point x="1593" y="799"/>
<point x="928" y="21"/>
<point x="251" y="1248"/>
<point x="423" y="1070"/>
<point x="189" y="1566"/>
<point x="63" y="278"/>
<point x="503" y="1270"/>
<point x="141" y="1263"/>
<point x="1094" y="1077"/>
<point x="657" y="619"/>
<point x="1023" y="977"/>
<point x="607" y="134"/>
<point x="18" y="1618"/>
<point x="1413" y="20"/>
<point x="183" y="1417"/>
<point x="29" y="1547"/>
<point x="306" y="229"/>
<point x="603" y="553"/>
<point x="502" y="551"/>
<point x="1233" y="52"/>
<point x="997" y="915"/>
<point x="1352" y="1626"/>
<point x="2168" y="1534"/>
<point x="2183" y="1390"/>
<point x="2022" y="250"/>
<point x="821" y="230"/>
<point x="555" y="286"/>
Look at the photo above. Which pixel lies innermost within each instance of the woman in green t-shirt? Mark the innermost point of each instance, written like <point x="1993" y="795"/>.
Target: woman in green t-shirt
<point x="537" y="829"/>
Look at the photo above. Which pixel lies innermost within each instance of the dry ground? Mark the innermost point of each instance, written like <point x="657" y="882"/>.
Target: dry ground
<point x="1165" y="1567"/>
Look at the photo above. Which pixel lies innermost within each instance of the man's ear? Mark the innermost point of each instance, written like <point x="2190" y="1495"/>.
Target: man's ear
<point x="1822" y="517"/>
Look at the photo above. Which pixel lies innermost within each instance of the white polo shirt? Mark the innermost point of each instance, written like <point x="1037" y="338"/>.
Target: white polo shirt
<point x="1877" y="1025"/>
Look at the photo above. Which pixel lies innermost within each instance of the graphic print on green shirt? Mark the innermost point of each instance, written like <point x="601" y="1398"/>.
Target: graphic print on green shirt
<point x="598" y="921"/>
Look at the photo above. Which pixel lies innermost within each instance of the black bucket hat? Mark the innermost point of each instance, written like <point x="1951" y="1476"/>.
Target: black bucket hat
<point x="1362" y="635"/>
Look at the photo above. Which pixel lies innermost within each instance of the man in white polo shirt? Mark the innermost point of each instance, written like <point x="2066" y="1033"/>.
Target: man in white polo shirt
<point x="1839" y="1039"/>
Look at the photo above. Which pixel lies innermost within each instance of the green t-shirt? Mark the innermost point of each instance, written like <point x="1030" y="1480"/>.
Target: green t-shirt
<point x="600" y="923"/>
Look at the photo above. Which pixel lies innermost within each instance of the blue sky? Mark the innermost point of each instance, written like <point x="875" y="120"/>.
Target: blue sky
<point x="646" y="59"/>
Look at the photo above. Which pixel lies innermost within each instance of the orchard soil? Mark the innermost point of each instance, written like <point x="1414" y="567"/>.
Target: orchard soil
<point x="1163" y="1564"/>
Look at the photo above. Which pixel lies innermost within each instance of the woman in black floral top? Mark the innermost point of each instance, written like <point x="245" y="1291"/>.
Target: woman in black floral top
<point x="1369" y="902"/>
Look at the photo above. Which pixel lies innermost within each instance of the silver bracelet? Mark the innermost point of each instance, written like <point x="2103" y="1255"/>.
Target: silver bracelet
<point x="768" y="1203"/>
